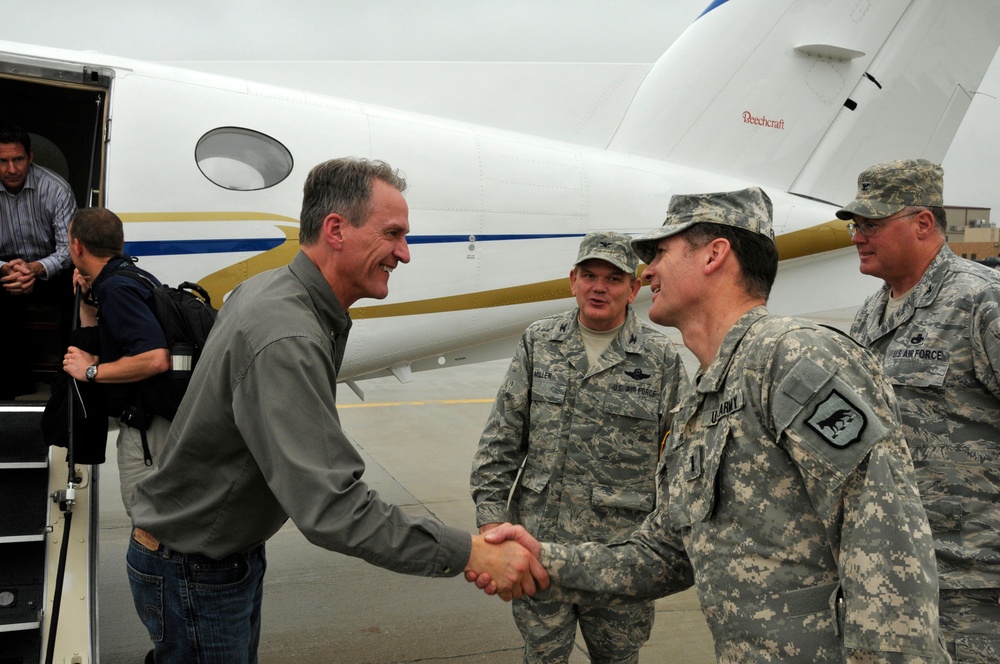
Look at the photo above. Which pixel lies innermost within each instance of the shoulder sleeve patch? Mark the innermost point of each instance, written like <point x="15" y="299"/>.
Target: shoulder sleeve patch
<point x="825" y="416"/>
<point x="837" y="421"/>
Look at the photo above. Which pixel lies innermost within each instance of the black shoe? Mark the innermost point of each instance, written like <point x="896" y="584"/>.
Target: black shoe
<point x="149" y="658"/>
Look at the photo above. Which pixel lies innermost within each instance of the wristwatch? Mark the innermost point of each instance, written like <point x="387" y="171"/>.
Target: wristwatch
<point x="92" y="373"/>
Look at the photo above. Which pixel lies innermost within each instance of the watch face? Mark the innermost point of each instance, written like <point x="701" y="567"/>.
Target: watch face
<point x="92" y="372"/>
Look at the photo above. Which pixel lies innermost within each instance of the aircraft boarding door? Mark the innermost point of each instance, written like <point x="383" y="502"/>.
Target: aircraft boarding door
<point x="65" y="120"/>
<point x="63" y="107"/>
<point x="66" y="125"/>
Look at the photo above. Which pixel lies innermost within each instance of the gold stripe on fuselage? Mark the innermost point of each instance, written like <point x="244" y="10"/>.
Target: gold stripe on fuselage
<point x="806" y="242"/>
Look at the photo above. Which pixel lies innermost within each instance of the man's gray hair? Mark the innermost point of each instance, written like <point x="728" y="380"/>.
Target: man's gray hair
<point x="342" y="186"/>
<point x="940" y="215"/>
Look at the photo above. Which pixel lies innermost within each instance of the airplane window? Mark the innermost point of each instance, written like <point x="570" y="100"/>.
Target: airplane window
<point x="242" y="159"/>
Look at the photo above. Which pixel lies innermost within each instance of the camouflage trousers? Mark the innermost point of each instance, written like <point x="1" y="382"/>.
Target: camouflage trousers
<point x="613" y="634"/>
<point x="970" y="623"/>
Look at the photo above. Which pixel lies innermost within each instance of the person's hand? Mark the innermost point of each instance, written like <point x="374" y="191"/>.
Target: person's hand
<point x="18" y="278"/>
<point x="88" y="312"/>
<point x="76" y="361"/>
<point x="508" y="531"/>
<point x="487" y="586"/>
<point x="80" y="281"/>
<point x="495" y="534"/>
<point x="512" y="570"/>
<point x="14" y="264"/>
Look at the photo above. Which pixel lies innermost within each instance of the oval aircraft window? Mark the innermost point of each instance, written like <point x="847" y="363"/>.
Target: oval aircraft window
<point x="242" y="159"/>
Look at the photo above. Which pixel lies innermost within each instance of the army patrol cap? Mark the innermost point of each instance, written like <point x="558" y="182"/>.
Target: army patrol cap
<point x="749" y="209"/>
<point x="885" y="189"/>
<point x="613" y="248"/>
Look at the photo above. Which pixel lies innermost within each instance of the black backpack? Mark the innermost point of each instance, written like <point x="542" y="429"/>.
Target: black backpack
<point x="186" y="315"/>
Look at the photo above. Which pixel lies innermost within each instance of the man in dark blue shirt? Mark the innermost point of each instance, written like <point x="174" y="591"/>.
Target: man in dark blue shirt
<point x="133" y="347"/>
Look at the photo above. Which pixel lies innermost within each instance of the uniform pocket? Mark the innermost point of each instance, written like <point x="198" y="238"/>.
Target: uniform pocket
<point x="977" y="648"/>
<point x="916" y="366"/>
<point x="614" y="497"/>
<point x="639" y="402"/>
<point x="549" y="391"/>
<point x="692" y="467"/>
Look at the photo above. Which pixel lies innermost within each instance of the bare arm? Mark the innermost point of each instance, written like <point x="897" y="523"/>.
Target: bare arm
<point x="128" y="369"/>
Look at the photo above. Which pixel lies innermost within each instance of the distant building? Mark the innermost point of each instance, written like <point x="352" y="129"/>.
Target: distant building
<point x="972" y="235"/>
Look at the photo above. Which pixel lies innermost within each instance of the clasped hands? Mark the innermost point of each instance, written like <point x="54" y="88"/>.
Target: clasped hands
<point x="17" y="277"/>
<point x="504" y="562"/>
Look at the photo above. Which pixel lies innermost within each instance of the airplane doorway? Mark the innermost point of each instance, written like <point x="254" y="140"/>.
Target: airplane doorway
<point x="66" y="122"/>
<point x="65" y="113"/>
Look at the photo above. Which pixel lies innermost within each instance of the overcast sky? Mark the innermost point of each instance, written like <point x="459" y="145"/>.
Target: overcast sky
<point x="296" y="31"/>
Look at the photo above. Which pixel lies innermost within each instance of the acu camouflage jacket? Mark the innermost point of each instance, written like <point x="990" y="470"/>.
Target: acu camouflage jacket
<point x="588" y="437"/>
<point x="941" y="351"/>
<point x="787" y="491"/>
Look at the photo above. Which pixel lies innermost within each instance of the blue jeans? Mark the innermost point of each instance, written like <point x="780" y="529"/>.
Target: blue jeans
<point x="197" y="610"/>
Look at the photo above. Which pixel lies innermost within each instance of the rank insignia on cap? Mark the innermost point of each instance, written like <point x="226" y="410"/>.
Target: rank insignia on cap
<point x="837" y="421"/>
<point x="866" y="186"/>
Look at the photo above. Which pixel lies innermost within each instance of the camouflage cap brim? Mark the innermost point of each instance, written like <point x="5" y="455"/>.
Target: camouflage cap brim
<point x="868" y="209"/>
<point x="749" y="209"/>
<point x="645" y="246"/>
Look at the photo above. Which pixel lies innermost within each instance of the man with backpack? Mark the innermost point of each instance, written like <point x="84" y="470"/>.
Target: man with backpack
<point x="133" y="346"/>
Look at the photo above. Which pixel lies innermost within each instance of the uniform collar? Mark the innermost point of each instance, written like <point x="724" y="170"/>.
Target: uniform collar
<point x="922" y="295"/>
<point x="930" y="284"/>
<point x="629" y="336"/>
<point x="712" y="378"/>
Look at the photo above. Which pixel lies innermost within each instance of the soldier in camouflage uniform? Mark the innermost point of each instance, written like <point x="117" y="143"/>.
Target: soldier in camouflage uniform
<point x="581" y="412"/>
<point x="935" y="325"/>
<point x="786" y="488"/>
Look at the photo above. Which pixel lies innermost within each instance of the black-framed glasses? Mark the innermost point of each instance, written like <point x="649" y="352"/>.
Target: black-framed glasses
<point x="868" y="228"/>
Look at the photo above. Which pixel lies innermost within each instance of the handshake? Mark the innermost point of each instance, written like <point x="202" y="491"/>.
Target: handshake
<point x="504" y="561"/>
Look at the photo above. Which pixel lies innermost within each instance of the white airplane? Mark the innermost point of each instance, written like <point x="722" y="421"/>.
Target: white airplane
<point x="791" y="95"/>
